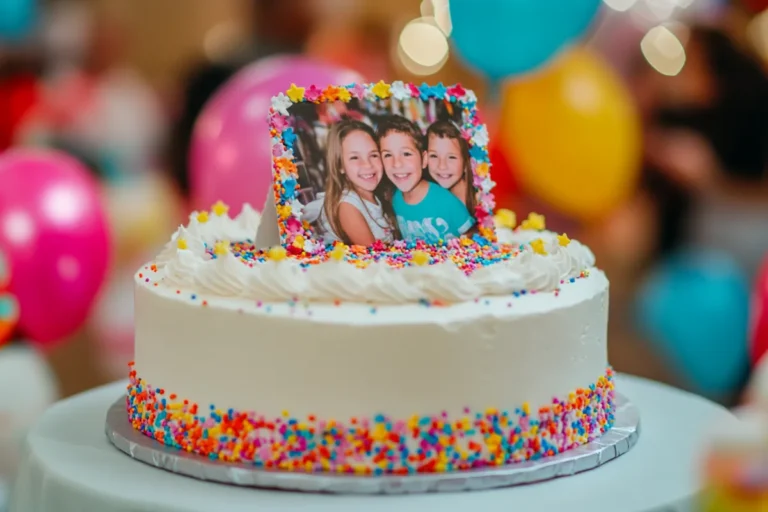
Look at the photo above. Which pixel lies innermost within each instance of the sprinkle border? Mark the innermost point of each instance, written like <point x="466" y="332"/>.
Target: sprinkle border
<point x="298" y="236"/>
<point x="374" y="446"/>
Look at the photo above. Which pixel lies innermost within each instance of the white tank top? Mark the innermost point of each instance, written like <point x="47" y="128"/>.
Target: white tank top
<point x="372" y="212"/>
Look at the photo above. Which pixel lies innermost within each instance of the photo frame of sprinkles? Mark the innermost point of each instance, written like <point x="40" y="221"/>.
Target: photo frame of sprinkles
<point x="378" y="163"/>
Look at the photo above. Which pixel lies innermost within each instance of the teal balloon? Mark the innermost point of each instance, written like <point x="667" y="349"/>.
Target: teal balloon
<point x="18" y="19"/>
<point x="503" y="38"/>
<point x="695" y="308"/>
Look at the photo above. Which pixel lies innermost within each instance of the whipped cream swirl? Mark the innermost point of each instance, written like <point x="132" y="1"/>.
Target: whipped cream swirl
<point x="227" y="276"/>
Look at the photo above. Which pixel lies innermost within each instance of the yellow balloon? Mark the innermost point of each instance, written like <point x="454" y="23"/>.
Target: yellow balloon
<point x="574" y="135"/>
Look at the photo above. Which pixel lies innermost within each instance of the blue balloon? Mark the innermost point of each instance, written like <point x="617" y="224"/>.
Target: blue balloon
<point x="17" y="19"/>
<point x="503" y="38"/>
<point x="695" y="308"/>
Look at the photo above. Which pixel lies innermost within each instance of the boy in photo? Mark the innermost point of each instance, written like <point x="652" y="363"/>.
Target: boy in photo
<point x="424" y="210"/>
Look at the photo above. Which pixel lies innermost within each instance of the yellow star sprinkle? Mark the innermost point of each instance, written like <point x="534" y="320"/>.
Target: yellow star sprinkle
<point x="563" y="239"/>
<point x="202" y="217"/>
<point x="538" y="247"/>
<point x="181" y="244"/>
<point x="534" y="222"/>
<point x="220" y="208"/>
<point x="344" y="94"/>
<point x="221" y="248"/>
<point x="277" y="253"/>
<point x="296" y="94"/>
<point x="506" y="218"/>
<point x="420" y="258"/>
<point x="338" y="252"/>
<point x="381" y="90"/>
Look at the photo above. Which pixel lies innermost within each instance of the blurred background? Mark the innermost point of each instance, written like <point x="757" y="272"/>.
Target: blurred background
<point x="636" y="126"/>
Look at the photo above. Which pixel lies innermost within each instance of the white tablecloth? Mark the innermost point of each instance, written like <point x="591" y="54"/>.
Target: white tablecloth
<point x="70" y="466"/>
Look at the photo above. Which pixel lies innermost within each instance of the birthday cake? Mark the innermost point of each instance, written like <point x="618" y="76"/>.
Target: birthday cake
<point x="485" y="346"/>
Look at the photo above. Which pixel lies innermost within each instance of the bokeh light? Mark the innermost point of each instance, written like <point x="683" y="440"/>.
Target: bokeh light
<point x="663" y="50"/>
<point x="422" y="46"/>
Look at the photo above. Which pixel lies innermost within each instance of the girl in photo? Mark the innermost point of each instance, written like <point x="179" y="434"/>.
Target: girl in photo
<point x="352" y="213"/>
<point x="448" y="161"/>
<point x="424" y="210"/>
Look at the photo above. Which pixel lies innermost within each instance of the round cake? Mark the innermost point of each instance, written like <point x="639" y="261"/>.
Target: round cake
<point x="384" y="360"/>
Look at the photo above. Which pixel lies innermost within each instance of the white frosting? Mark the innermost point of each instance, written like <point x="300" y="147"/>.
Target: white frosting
<point x="352" y="359"/>
<point x="355" y="359"/>
<point x="377" y="283"/>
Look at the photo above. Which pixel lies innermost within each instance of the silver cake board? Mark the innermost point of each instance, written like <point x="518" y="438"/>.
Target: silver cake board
<point x="617" y="441"/>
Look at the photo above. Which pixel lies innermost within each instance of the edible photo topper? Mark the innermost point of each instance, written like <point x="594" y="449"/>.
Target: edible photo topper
<point x="372" y="164"/>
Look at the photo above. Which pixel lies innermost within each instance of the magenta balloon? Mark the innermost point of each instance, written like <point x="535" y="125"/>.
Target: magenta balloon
<point x="54" y="231"/>
<point x="230" y="153"/>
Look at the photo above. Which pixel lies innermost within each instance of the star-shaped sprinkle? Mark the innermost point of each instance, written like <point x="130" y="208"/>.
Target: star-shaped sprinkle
<point x="420" y="258"/>
<point x="563" y="240"/>
<point x="534" y="222"/>
<point x="399" y="90"/>
<point x="278" y="122"/>
<point x="220" y="208"/>
<point x="289" y="137"/>
<point x="425" y="91"/>
<point x="181" y="244"/>
<point x="344" y="94"/>
<point x="506" y="218"/>
<point x="313" y="93"/>
<point x="331" y="93"/>
<point x="478" y="153"/>
<point x="296" y="94"/>
<point x="457" y="91"/>
<point x="338" y="253"/>
<point x="381" y="89"/>
<point x="439" y="90"/>
<point x="358" y="91"/>
<point x="277" y="253"/>
<point x="202" y="217"/>
<point x="538" y="247"/>
<point x="480" y="136"/>
<point x="221" y="248"/>
<point x="281" y="103"/>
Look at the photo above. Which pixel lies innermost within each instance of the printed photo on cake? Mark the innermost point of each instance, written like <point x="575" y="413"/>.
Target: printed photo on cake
<point x="384" y="170"/>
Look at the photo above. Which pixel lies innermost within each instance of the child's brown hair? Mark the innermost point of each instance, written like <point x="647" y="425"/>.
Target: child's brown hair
<point x="448" y="130"/>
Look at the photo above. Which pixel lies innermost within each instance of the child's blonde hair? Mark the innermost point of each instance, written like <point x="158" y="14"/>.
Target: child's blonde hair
<point x="336" y="182"/>
<point x="448" y="130"/>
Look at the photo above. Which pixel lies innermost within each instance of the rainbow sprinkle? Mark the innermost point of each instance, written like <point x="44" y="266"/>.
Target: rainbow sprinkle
<point x="374" y="446"/>
<point x="468" y="255"/>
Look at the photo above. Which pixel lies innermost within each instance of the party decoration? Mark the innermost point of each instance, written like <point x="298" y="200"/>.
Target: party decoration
<point x="29" y="388"/>
<point x="759" y="320"/>
<point x="231" y="153"/>
<point x="17" y="19"/>
<point x="575" y="136"/>
<point x="503" y="38"/>
<point x="695" y="308"/>
<point x="53" y="230"/>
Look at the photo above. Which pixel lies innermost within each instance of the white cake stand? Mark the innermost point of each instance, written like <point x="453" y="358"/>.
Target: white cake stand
<point x="70" y="466"/>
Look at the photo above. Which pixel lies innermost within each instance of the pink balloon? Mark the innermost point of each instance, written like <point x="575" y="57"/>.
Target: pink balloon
<point x="53" y="229"/>
<point x="230" y="153"/>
